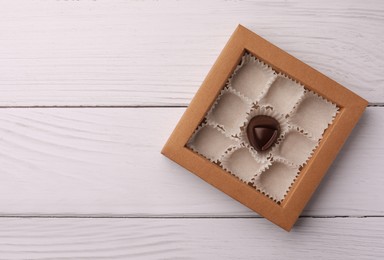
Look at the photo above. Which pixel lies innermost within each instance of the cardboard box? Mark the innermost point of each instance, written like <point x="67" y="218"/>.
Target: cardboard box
<point x="350" y="105"/>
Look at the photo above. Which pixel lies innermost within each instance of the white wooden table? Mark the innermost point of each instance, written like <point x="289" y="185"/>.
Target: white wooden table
<point x="91" y="90"/>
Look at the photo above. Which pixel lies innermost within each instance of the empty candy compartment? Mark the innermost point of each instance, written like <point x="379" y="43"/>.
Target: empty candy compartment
<point x="283" y="94"/>
<point x="229" y="112"/>
<point x="210" y="142"/>
<point x="314" y="114"/>
<point x="251" y="78"/>
<point x="241" y="163"/>
<point x="276" y="180"/>
<point x="295" y="147"/>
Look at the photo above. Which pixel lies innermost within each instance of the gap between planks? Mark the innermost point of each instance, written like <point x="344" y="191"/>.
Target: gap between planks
<point x="174" y="217"/>
<point x="129" y="106"/>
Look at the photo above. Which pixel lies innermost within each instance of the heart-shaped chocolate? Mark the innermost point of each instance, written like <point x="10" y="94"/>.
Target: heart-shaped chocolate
<point x="262" y="132"/>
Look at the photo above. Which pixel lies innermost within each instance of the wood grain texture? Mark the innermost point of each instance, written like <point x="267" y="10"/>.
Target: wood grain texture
<point x="350" y="238"/>
<point x="107" y="162"/>
<point x="145" y="53"/>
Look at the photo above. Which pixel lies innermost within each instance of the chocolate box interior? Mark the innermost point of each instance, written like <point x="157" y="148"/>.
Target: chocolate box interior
<point x="253" y="81"/>
<point x="255" y="90"/>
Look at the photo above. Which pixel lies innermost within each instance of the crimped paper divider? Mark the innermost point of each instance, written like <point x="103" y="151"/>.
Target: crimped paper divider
<point x="251" y="78"/>
<point x="276" y="180"/>
<point x="229" y="112"/>
<point x="242" y="163"/>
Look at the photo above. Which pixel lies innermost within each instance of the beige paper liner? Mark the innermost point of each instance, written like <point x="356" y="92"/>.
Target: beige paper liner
<point x="210" y="142"/>
<point x="251" y="78"/>
<point x="242" y="163"/>
<point x="296" y="148"/>
<point x="313" y="115"/>
<point x="283" y="94"/>
<point x="228" y="112"/>
<point x="276" y="180"/>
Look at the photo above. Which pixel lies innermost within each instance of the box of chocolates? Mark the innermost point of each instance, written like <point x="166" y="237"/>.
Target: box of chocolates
<point x="264" y="127"/>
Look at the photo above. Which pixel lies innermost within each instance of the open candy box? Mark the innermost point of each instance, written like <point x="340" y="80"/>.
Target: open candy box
<point x="264" y="127"/>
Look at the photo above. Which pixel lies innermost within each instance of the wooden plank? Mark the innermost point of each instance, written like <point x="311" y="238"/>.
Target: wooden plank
<point x="95" y="53"/>
<point x="107" y="161"/>
<point x="52" y="238"/>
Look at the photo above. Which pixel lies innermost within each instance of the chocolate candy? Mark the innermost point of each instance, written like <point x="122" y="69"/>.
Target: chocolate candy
<point x="262" y="132"/>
